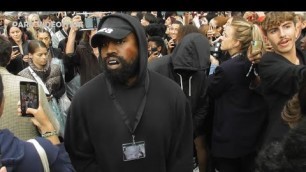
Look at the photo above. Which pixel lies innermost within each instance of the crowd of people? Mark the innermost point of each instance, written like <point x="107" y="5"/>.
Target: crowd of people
<point x="154" y="91"/>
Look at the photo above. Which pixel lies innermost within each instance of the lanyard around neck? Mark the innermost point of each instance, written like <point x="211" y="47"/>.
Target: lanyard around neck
<point x="122" y="112"/>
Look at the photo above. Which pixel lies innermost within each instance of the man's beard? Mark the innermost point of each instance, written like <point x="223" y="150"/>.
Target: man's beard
<point x="122" y="74"/>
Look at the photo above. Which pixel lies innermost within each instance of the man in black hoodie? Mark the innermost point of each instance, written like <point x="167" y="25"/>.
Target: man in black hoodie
<point x="280" y="71"/>
<point x="128" y="118"/>
<point x="187" y="66"/>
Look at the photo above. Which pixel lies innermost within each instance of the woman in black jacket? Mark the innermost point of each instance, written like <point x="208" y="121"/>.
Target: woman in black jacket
<point x="239" y="109"/>
<point x="18" y="38"/>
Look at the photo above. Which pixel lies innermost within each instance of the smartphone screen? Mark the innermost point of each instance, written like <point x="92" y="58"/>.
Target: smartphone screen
<point x="91" y="23"/>
<point x="28" y="96"/>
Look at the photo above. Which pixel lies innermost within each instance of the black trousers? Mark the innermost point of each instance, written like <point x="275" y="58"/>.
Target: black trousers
<point x="241" y="164"/>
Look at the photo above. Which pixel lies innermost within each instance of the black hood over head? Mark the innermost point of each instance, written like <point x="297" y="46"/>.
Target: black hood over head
<point x="127" y="24"/>
<point x="192" y="53"/>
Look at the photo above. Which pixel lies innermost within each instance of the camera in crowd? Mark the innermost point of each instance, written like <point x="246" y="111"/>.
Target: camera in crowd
<point x="215" y="49"/>
<point x="89" y="22"/>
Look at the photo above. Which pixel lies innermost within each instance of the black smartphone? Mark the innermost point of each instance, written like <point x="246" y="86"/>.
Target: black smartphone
<point x="154" y="49"/>
<point x="29" y="97"/>
<point x="14" y="48"/>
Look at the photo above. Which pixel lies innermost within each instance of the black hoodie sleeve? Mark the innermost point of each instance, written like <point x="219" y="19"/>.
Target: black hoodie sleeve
<point x="217" y="83"/>
<point x="279" y="75"/>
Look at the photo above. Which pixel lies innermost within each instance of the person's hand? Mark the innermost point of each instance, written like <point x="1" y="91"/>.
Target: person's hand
<point x="40" y="118"/>
<point x="26" y="58"/>
<point x="213" y="60"/>
<point x="210" y="32"/>
<point x="269" y="47"/>
<point x="171" y="44"/>
<point x="77" y="23"/>
<point x="3" y="169"/>
<point x="14" y="54"/>
<point x="255" y="57"/>
<point x="153" y="55"/>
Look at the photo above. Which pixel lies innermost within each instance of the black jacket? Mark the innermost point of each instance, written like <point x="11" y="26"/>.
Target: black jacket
<point x="239" y="113"/>
<point x="280" y="80"/>
<point x="187" y="66"/>
<point x="95" y="130"/>
<point x="16" y="65"/>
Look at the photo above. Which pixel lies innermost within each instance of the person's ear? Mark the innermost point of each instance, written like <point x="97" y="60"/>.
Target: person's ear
<point x="236" y="44"/>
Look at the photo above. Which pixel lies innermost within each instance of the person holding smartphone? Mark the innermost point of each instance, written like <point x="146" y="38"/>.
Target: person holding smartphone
<point x="19" y="56"/>
<point x="282" y="70"/>
<point x="48" y="75"/>
<point x="21" y="127"/>
<point x="18" y="155"/>
<point x="157" y="47"/>
<point x="239" y="112"/>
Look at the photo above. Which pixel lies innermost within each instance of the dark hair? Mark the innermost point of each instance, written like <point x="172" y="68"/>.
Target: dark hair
<point x="295" y="108"/>
<point x="150" y="18"/>
<point x="43" y="30"/>
<point x="5" y="51"/>
<point x="294" y="147"/>
<point x="155" y="29"/>
<point x="272" y="159"/>
<point x="34" y="44"/>
<point x="170" y="13"/>
<point x="185" y="30"/>
<point x="288" y="155"/>
<point x="44" y="16"/>
<point x="159" y="42"/>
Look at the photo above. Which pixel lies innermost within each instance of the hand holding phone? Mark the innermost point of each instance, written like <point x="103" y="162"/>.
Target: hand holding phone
<point x="15" y="48"/>
<point x="256" y="47"/>
<point x="29" y="97"/>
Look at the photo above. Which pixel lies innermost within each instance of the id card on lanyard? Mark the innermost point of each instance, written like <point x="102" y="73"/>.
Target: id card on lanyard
<point x="133" y="150"/>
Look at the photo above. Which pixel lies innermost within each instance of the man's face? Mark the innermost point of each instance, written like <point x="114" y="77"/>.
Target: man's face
<point x="120" y="58"/>
<point x="282" y="38"/>
<point x="44" y="37"/>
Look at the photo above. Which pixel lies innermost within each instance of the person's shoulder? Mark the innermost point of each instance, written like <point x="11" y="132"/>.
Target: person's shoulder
<point x="55" y="66"/>
<point x="96" y="83"/>
<point x="23" y="71"/>
<point x="159" y="62"/>
<point x="21" y="78"/>
<point x="160" y="81"/>
<point x="6" y="138"/>
<point x="268" y="56"/>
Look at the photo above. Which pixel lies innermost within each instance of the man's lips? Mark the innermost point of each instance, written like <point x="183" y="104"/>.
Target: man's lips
<point x="283" y="42"/>
<point x="112" y="61"/>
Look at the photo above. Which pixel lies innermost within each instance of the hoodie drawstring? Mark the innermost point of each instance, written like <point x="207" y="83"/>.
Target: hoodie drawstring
<point x="190" y="85"/>
<point x="181" y="83"/>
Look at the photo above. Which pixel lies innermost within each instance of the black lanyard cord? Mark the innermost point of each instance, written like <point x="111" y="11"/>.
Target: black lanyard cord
<point x="122" y="112"/>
